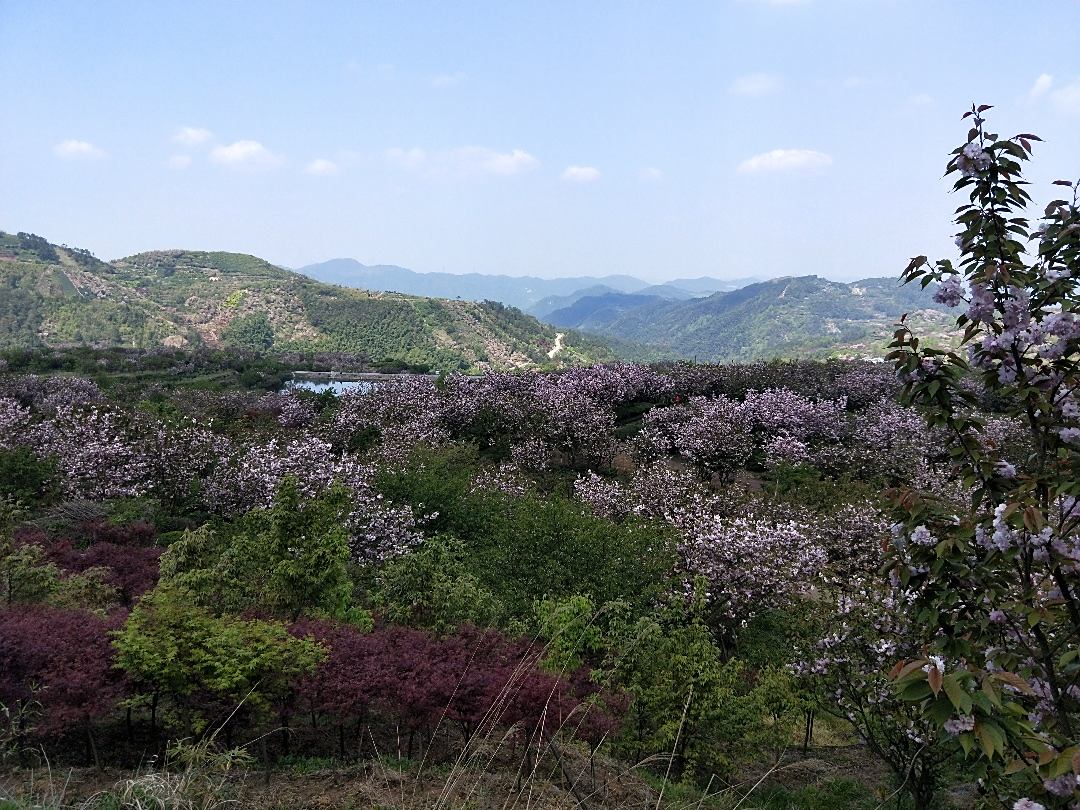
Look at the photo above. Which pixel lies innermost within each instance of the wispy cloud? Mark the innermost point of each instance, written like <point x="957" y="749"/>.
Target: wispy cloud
<point x="463" y="161"/>
<point x="448" y="79"/>
<point x="247" y="154"/>
<point x="1041" y="86"/>
<point x="920" y="100"/>
<point x="755" y="84"/>
<point x="411" y="159"/>
<point x="192" y="136"/>
<point x="781" y="160"/>
<point x="1067" y="99"/>
<point x="73" y="149"/>
<point x="321" y="167"/>
<point x="491" y="162"/>
<point x="651" y="173"/>
<point x="581" y="174"/>
<point x="178" y="162"/>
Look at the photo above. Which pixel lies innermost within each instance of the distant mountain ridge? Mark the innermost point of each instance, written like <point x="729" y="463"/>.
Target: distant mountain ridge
<point x="525" y="292"/>
<point x="552" y="303"/>
<point x="804" y="316"/>
<point x="515" y="291"/>
<point x="52" y="295"/>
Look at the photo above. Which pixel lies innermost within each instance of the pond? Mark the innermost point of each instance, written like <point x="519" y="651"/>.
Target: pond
<point x="340" y="383"/>
<point x="320" y="386"/>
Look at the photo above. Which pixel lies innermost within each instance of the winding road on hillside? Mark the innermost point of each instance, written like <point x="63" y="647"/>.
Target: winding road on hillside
<point x="558" y="347"/>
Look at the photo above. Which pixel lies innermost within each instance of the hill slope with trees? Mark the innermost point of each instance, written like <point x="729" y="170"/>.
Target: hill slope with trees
<point x="60" y="296"/>
<point x="803" y="316"/>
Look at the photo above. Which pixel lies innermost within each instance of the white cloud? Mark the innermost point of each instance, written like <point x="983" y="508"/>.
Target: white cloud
<point x="192" y="136"/>
<point x="581" y="174"/>
<point x="250" y="155"/>
<point x="1041" y="86"/>
<point x="651" y="173"/>
<point x="463" y="161"/>
<point x="1067" y="98"/>
<point x="322" y="167"/>
<point x="780" y="160"/>
<point x="503" y="163"/>
<point x="178" y="161"/>
<point x="754" y="85"/>
<point x="73" y="149"/>
<point x="448" y="79"/>
<point x="411" y="159"/>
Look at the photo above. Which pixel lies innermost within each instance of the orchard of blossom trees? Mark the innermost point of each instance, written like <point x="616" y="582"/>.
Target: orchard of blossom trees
<point x="430" y="563"/>
<point x="686" y="566"/>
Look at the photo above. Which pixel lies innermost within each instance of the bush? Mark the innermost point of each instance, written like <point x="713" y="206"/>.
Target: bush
<point x="26" y="478"/>
<point x="524" y="549"/>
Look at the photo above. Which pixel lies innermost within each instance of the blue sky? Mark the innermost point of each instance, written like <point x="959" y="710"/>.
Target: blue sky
<point x="660" y="139"/>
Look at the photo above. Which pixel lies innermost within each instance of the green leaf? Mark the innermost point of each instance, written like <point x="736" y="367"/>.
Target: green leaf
<point x="915" y="691"/>
<point x="940" y="710"/>
<point x="991" y="693"/>
<point x="958" y="696"/>
<point x="990" y="736"/>
<point x="966" y="743"/>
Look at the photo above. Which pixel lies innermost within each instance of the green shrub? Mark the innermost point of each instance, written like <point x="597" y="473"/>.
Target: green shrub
<point x="431" y="588"/>
<point x="524" y="549"/>
<point x="26" y="478"/>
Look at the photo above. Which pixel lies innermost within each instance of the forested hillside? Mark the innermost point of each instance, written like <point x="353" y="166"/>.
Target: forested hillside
<point x="59" y="296"/>
<point x="805" y="316"/>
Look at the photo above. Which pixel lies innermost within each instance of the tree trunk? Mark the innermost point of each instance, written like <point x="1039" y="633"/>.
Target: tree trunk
<point x="91" y="747"/>
<point x="286" y="732"/>
<point x="808" y="737"/>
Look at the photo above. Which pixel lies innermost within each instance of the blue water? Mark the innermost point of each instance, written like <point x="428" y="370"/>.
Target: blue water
<point x="337" y="386"/>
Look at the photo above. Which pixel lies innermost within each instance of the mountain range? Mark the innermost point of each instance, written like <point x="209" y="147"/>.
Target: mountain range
<point x="706" y="318"/>
<point x="525" y="292"/>
<point x="53" y="295"/>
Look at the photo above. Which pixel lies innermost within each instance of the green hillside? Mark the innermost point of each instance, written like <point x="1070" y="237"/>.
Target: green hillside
<point x="58" y="296"/>
<point x="805" y="316"/>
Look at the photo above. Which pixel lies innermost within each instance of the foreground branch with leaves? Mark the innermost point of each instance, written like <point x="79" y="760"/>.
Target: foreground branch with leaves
<point x="994" y="580"/>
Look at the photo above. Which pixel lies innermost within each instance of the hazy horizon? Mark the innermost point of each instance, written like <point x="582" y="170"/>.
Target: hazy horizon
<point x="742" y="138"/>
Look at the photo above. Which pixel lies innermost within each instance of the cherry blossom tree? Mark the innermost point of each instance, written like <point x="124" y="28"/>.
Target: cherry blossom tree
<point x="994" y="581"/>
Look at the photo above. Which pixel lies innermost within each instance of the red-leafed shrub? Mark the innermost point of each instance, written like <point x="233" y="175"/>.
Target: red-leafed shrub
<point x="132" y="569"/>
<point x="60" y="660"/>
<point x="137" y="533"/>
<point x="125" y="552"/>
<point x="351" y="677"/>
<point x="474" y="680"/>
